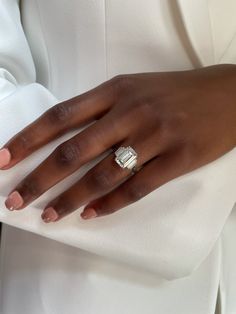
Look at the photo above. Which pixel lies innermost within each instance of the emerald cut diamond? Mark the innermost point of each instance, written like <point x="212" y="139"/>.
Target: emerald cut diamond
<point x="126" y="157"/>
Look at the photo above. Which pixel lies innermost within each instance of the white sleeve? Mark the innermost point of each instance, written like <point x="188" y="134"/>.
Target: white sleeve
<point x="16" y="64"/>
<point x="17" y="70"/>
<point x="170" y="231"/>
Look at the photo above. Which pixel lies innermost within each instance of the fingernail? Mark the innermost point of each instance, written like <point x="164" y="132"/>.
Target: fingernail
<point x="5" y="157"/>
<point x="49" y="215"/>
<point x="89" y="213"/>
<point x="14" y="201"/>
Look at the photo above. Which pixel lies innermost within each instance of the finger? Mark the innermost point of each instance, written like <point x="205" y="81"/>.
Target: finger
<point x="153" y="175"/>
<point x="56" y="121"/>
<point x="67" y="158"/>
<point x="99" y="180"/>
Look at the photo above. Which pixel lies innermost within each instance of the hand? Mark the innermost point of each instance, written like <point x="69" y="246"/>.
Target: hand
<point x="176" y="122"/>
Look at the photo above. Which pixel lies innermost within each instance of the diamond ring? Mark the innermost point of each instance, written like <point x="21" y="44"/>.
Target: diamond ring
<point x="126" y="157"/>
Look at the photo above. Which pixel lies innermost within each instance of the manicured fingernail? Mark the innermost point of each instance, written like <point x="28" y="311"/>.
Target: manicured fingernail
<point x="89" y="213"/>
<point x="5" y="157"/>
<point x="14" y="201"/>
<point x="49" y="215"/>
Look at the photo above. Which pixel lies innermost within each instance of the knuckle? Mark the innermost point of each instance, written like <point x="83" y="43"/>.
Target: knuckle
<point x="102" y="179"/>
<point x="64" y="205"/>
<point x="24" y="141"/>
<point x="67" y="154"/>
<point x="178" y="120"/>
<point x="146" y="106"/>
<point x="168" y="131"/>
<point x="123" y="83"/>
<point x="60" y="113"/>
<point x="29" y="188"/>
<point x="137" y="191"/>
<point x="172" y="128"/>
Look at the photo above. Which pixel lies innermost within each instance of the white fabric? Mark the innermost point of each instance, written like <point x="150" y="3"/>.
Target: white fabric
<point x="169" y="236"/>
<point x="228" y="269"/>
<point x="56" y="279"/>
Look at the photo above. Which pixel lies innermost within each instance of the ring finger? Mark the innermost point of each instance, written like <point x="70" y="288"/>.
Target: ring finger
<point x="100" y="180"/>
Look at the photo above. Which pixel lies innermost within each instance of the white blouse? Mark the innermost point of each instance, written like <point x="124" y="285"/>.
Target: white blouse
<point x="160" y="255"/>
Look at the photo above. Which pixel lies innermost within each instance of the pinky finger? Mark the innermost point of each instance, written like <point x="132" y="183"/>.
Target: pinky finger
<point x="153" y="175"/>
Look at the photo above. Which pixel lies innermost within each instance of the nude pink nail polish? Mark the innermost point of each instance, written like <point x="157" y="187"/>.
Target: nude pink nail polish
<point x="49" y="215"/>
<point x="14" y="201"/>
<point x="89" y="213"/>
<point x="5" y="157"/>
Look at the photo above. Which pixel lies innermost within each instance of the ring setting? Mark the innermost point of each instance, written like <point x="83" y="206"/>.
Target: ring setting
<point x="126" y="157"/>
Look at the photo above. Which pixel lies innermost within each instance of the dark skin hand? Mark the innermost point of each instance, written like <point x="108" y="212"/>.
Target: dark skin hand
<point x="175" y="121"/>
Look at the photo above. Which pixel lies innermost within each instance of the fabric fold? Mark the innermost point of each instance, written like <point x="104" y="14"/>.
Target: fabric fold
<point x="195" y="15"/>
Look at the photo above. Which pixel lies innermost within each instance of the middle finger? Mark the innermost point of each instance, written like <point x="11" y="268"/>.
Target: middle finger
<point x="66" y="159"/>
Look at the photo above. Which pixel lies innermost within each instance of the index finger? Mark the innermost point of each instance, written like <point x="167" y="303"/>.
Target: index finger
<point x="56" y="121"/>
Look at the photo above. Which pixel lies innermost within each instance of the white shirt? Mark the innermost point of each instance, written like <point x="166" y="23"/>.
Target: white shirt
<point x="76" y="45"/>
